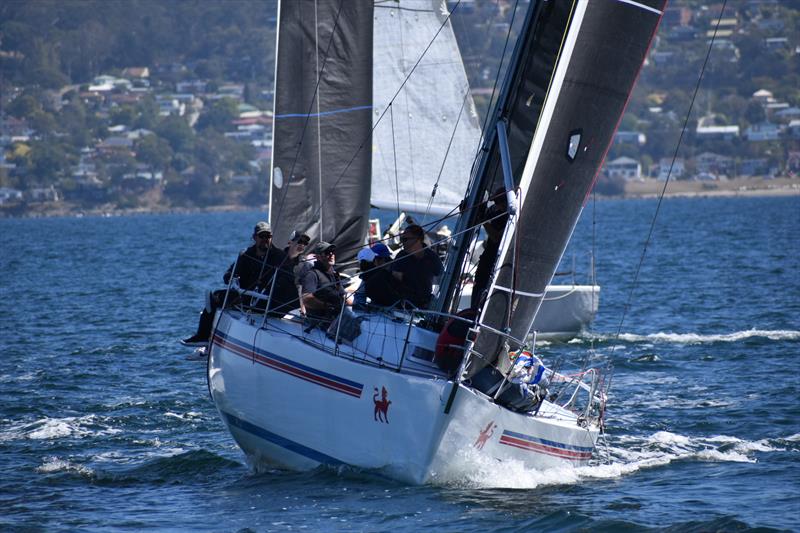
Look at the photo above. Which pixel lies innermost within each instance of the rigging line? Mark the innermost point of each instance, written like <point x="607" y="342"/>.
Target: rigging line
<point x="394" y="157"/>
<point x="369" y="136"/>
<point x="319" y="120"/>
<point x="499" y="70"/>
<point x="666" y="182"/>
<point x="446" y="153"/>
<point x="282" y="200"/>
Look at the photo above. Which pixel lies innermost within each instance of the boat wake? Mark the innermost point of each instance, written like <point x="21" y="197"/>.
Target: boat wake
<point x="697" y="338"/>
<point x="624" y="456"/>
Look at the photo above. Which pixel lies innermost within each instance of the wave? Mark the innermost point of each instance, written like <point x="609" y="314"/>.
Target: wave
<point x="626" y="456"/>
<point x="58" y="428"/>
<point x="195" y="465"/>
<point x="697" y="338"/>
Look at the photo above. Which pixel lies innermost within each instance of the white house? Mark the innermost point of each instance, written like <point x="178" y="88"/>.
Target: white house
<point x="624" y="167"/>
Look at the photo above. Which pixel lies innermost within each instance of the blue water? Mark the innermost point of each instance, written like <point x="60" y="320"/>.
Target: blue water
<point x="104" y="425"/>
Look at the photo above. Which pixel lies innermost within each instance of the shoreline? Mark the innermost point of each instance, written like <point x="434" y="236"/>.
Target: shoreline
<point x="634" y="190"/>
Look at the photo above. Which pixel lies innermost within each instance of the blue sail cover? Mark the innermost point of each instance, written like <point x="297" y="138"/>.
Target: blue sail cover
<point x="321" y="161"/>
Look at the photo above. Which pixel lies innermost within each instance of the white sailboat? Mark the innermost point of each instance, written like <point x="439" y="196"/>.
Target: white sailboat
<point x="301" y="397"/>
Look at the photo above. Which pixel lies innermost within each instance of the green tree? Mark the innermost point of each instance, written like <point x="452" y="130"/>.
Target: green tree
<point x="219" y="115"/>
<point x="177" y="132"/>
<point x="154" y="151"/>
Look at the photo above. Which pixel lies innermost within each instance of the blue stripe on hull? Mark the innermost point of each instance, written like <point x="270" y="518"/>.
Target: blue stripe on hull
<point x="283" y="442"/>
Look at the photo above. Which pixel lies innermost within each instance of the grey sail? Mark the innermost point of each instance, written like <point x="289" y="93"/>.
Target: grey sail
<point x="426" y="132"/>
<point x="562" y="101"/>
<point x="321" y="158"/>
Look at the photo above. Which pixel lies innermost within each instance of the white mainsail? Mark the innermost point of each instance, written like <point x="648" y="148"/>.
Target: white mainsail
<point x="421" y="101"/>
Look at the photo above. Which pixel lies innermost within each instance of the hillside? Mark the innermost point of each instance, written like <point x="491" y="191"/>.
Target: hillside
<point x="145" y="103"/>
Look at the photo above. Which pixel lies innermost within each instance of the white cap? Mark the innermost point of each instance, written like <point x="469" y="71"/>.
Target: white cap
<point x="366" y="254"/>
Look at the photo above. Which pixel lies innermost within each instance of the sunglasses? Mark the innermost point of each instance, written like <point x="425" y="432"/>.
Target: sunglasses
<point x="265" y="235"/>
<point x="303" y="242"/>
<point x="407" y="238"/>
<point x="330" y="252"/>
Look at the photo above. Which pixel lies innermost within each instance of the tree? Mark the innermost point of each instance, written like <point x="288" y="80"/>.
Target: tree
<point x="154" y="151"/>
<point x="219" y="115"/>
<point x="754" y="113"/>
<point x="177" y="132"/>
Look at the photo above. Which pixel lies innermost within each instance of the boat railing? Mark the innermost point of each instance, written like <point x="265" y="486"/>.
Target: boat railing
<point x="586" y="406"/>
<point x="346" y="348"/>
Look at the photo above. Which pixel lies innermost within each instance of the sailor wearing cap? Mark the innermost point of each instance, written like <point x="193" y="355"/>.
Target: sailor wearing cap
<point x="323" y="294"/>
<point x="254" y="268"/>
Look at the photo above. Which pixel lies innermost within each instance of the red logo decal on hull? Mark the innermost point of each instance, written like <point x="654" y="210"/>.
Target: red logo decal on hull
<point x="382" y="405"/>
<point x="484" y="435"/>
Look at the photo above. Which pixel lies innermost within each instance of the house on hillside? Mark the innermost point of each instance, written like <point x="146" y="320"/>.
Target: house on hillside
<point x="712" y="163"/>
<point x="9" y="196"/>
<point x="788" y="114"/>
<point x="46" y="194"/>
<point x="765" y="131"/>
<point x="630" y="137"/>
<point x="624" y="167"/>
<point x="763" y="96"/>
<point x="793" y="163"/>
<point x="678" y="169"/>
<point x="753" y="167"/>
<point x="793" y="129"/>
<point x="722" y="133"/>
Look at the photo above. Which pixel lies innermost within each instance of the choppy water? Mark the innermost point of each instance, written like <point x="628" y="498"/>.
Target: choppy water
<point x="104" y="425"/>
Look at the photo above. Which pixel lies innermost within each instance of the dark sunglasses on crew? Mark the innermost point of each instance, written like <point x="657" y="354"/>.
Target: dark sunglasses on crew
<point x="265" y="235"/>
<point x="329" y="252"/>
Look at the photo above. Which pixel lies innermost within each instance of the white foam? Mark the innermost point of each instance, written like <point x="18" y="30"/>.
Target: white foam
<point x="696" y="338"/>
<point x="58" y="428"/>
<point x="630" y="454"/>
<point x="55" y="464"/>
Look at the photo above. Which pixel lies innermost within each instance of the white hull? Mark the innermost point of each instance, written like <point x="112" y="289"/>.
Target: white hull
<point x="566" y="310"/>
<point x="288" y="400"/>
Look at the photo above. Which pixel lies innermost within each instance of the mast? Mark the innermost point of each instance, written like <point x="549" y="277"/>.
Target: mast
<point x="566" y="90"/>
<point x="321" y="162"/>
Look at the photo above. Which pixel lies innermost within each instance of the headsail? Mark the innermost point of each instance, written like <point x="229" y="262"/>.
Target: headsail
<point x="564" y="96"/>
<point x="321" y="158"/>
<point x="417" y="69"/>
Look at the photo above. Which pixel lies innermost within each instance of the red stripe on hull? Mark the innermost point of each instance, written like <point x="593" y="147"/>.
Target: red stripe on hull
<point x="287" y="369"/>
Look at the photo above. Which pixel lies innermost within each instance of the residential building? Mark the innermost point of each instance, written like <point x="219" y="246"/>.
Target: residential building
<point x="630" y="137"/>
<point x="624" y="167"/>
<point x="678" y="169"/>
<point x="753" y="167"/>
<point x="766" y="131"/>
<point x="714" y="163"/>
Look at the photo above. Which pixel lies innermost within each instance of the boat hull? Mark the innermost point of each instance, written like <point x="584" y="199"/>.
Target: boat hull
<point x="566" y="310"/>
<point x="288" y="401"/>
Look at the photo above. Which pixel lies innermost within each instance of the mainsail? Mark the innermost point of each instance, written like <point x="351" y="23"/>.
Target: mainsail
<point x="323" y="91"/>
<point x="576" y="64"/>
<point x="426" y="130"/>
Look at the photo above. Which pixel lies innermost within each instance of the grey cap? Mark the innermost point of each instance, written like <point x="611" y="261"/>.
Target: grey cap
<point x="298" y="236"/>
<point x="262" y="227"/>
<point x="323" y="247"/>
